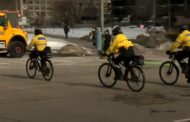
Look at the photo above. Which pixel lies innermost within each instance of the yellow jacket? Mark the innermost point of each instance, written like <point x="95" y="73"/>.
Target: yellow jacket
<point x="119" y="41"/>
<point x="183" y="40"/>
<point x="39" y="42"/>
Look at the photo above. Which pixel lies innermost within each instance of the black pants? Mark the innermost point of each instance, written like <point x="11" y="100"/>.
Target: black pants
<point x="35" y="54"/>
<point x="185" y="53"/>
<point x="125" y="55"/>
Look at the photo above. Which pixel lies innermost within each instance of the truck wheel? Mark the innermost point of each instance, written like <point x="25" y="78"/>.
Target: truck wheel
<point x="17" y="49"/>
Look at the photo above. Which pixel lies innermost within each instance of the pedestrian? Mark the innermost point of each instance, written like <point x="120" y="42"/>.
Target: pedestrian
<point x="92" y="36"/>
<point x="66" y="30"/>
<point x="107" y="40"/>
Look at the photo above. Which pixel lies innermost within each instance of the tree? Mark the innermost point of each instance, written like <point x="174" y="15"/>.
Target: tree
<point x="8" y="5"/>
<point x="122" y="8"/>
<point x="67" y="11"/>
<point x="71" y="11"/>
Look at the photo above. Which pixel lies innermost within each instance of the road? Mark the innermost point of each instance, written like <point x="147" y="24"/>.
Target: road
<point x="76" y="95"/>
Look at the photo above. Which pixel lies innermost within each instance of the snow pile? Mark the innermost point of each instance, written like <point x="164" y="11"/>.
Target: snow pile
<point x="73" y="50"/>
<point x="61" y="47"/>
<point x="155" y="38"/>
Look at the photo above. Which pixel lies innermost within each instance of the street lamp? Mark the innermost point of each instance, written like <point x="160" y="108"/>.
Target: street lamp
<point x="154" y="11"/>
<point x="169" y="14"/>
<point x="102" y="15"/>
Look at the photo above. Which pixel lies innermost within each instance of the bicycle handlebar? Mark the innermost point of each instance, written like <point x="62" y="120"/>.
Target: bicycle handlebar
<point x="110" y="57"/>
<point x="172" y="55"/>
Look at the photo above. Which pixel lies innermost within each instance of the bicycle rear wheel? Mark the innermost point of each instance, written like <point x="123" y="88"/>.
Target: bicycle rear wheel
<point x="47" y="70"/>
<point x="31" y="67"/>
<point x="135" y="78"/>
<point x="107" y="75"/>
<point x="169" y="73"/>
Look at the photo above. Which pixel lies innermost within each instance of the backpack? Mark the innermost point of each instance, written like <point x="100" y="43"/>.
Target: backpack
<point x="48" y="52"/>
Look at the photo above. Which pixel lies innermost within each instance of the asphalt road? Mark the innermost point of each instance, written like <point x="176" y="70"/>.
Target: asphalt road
<point x="76" y="95"/>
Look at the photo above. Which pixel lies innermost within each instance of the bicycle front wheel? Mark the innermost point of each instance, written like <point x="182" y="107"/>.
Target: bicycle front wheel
<point x="169" y="73"/>
<point x="47" y="70"/>
<point x="135" y="78"/>
<point x="107" y="75"/>
<point x="31" y="67"/>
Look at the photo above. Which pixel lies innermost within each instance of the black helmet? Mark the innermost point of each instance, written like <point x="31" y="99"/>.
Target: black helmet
<point x="37" y="31"/>
<point x="183" y="27"/>
<point x="116" y="30"/>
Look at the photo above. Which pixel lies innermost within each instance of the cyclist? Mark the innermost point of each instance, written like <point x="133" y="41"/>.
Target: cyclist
<point x="182" y="42"/>
<point x="122" y="48"/>
<point x="39" y="42"/>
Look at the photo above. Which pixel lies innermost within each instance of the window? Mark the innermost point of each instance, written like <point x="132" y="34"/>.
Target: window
<point x="31" y="7"/>
<point x="3" y="21"/>
<point x="37" y="1"/>
<point x="30" y="1"/>
<point x="37" y="7"/>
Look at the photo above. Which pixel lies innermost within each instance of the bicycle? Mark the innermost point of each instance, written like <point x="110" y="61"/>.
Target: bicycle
<point x="133" y="74"/>
<point x="169" y="71"/>
<point x="35" y="64"/>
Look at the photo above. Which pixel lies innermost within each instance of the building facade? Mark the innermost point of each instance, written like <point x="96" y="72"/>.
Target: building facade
<point x="39" y="7"/>
<point x="34" y="9"/>
<point x="138" y="9"/>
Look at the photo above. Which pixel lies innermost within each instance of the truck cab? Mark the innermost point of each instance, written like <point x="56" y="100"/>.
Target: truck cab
<point x="13" y="40"/>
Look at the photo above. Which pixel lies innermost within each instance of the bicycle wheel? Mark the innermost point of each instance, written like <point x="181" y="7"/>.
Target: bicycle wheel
<point x="169" y="73"/>
<point x="47" y="70"/>
<point x="107" y="75"/>
<point x="135" y="78"/>
<point x="31" y="67"/>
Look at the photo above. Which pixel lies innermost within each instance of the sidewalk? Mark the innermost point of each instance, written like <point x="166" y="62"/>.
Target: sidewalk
<point x="59" y="41"/>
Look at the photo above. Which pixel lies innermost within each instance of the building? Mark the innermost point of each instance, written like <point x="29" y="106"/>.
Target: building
<point x="34" y="9"/>
<point x="38" y="7"/>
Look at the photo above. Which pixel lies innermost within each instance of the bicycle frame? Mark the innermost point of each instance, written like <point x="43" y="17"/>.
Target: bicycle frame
<point x="38" y="61"/>
<point x="171" y="66"/>
<point x="122" y="66"/>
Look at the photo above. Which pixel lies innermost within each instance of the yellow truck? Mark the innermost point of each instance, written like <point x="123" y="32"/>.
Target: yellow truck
<point x="13" y="40"/>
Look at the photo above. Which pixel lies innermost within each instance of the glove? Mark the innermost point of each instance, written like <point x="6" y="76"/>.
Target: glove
<point x="168" y="52"/>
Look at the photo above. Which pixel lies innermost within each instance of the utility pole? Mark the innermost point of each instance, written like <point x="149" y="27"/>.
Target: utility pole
<point x="21" y="7"/>
<point x="99" y="33"/>
<point x="102" y="15"/>
<point x="169" y="14"/>
<point x="154" y="11"/>
<point x="16" y="4"/>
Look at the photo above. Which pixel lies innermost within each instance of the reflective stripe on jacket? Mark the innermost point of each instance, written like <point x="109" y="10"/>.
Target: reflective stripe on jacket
<point x="119" y="41"/>
<point x="39" y="42"/>
<point x="182" y="41"/>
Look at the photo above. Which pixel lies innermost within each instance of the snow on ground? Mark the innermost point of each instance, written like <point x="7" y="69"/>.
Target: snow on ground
<point x="54" y="43"/>
<point x="57" y="44"/>
<point x="131" y="31"/>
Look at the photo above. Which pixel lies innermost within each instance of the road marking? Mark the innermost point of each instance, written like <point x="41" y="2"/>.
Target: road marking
<point x="75" y="60"/>
<point x="3" y="67"/>
<point x="56" y="61"/>
<point x="183" y="120"/>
